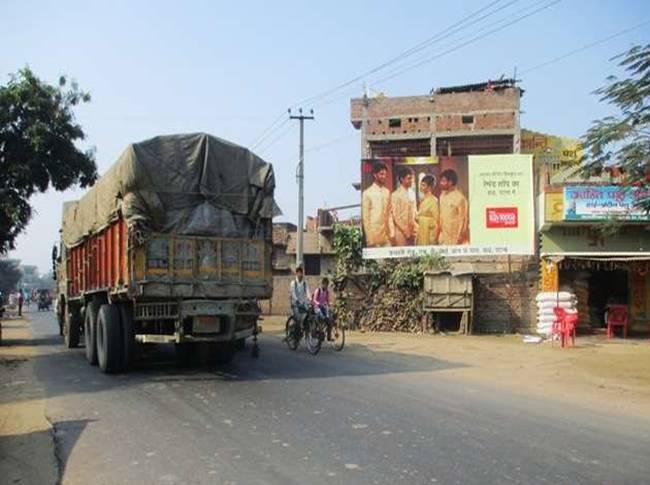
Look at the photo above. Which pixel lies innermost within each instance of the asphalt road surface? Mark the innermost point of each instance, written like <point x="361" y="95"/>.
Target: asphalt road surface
<point x="337" y="418"/>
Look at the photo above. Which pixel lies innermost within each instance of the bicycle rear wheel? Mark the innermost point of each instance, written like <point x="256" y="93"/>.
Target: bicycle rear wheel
<point x="313" y="335"/>
<point x="291" y="333"/>
<point x="337" y="336"/>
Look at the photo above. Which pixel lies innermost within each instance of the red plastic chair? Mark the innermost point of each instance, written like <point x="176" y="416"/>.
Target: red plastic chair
<point x="564" y="326"/>
<point x="616" y="317"/>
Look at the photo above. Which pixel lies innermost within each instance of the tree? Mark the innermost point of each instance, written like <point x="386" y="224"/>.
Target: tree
<point x="38" y="132"/>
<point x="10" y="275"/>
<point x="624" y="139"/>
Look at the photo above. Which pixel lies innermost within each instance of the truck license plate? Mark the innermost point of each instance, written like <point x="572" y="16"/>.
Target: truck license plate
<point x="206" y="324"/>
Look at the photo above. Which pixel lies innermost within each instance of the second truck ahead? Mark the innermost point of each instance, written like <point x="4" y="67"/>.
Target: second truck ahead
<point x="172" y="245"/>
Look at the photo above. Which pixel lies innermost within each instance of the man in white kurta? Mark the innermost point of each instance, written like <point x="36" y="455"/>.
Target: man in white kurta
<point x="375" y="207"/>
<point x="401" y="221"/>
<point x="454" y="211"/>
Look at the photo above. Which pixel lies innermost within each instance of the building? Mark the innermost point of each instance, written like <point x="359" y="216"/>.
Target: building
<point x="602" y="265"/>
<point x="462" y="120"/>
<point x="474" y="119"/>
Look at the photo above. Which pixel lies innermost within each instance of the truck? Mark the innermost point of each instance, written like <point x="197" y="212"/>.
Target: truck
<point x="172" y="245"/>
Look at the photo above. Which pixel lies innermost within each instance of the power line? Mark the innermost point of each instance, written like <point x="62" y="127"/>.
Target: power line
<point x="417" y="48"/>
<point x="257" y="140"/>
<point x="281" y="135"/>
<point x="274" y="127"/>
<point x="496" y="26"/>
<point x="585" y="47"/>
<point x="471" y="41"/>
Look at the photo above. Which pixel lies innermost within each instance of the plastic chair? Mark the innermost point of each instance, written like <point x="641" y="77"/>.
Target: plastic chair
<point x="564" y="326"/>
<point x="616" y="317"/>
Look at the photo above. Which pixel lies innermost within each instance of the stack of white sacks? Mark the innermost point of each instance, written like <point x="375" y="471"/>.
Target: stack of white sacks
<point x="546" y="302"/>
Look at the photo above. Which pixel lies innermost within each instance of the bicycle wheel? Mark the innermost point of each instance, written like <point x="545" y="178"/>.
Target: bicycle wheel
<point x="313" y="335"/>
<point x="290" y="333"/>
<point x="337" y="336"/>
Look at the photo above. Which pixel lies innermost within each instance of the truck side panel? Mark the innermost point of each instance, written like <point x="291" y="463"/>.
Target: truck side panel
<point x="100" y="262"/>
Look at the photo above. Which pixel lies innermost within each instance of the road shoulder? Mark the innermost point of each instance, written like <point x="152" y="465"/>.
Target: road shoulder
<point x="26" y="442"/>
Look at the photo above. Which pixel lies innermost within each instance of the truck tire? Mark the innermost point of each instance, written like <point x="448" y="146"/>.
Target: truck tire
<point x="71" y="326"/>
<point x="90" y="332"/>
<point x="240" y="344"/>
<point x="129" y="345"/>
<point x="109" y="339"/>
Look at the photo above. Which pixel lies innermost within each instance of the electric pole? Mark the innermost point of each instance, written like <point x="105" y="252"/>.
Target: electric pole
<point x="300" y="175"/>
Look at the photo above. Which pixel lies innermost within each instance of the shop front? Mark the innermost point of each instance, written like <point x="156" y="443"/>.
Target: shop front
<point x="600" y="269"/>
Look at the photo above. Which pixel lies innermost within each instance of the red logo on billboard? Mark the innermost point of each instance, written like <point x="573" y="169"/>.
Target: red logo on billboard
<point x="501" y="217"/>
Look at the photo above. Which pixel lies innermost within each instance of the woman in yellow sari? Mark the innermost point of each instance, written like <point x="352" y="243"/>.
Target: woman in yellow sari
<point x="428" y="216"/>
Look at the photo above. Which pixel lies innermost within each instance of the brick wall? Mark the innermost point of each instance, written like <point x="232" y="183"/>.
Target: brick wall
<point x="505" y="303"/>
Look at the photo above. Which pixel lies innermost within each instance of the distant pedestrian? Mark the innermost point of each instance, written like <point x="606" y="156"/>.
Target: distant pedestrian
<point x="21" y="300"/>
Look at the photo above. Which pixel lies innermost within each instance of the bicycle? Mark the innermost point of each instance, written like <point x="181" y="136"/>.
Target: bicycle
<point x="328" y="327"/>
<point x="315" y="329"/>
<point x="309" y="330"/>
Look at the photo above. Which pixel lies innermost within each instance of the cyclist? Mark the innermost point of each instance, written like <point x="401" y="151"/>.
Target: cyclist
<point x="321" y="303"/>
<point x="299" y="294"/>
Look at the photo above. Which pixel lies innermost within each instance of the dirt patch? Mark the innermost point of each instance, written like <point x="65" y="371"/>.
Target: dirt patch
<point x="600" y="374"/>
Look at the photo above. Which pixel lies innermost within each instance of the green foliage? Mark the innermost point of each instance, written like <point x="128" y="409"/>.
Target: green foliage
<point x="10" y="275"/>
<point x="392" y="287"/>
<point x="38" y="132"/>
<point x="624" y="138"/>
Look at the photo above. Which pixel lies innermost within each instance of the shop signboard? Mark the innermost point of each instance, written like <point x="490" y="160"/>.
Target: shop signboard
<point x="454" y="206"/>
<point x="601" y="202"/>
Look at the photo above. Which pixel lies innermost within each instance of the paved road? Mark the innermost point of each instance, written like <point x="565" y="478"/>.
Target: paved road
<point x="348" y="418"/>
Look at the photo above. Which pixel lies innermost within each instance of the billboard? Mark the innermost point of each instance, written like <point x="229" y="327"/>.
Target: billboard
<point x="600" y="202"/>
<point x="455" y="206"/>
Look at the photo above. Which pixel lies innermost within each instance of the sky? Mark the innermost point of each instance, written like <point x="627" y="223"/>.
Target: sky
<point x="232" y="69"/>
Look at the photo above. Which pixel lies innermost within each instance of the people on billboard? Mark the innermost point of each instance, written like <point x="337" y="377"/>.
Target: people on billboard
<point x="428" y="215"/>
<point x="375" y="204"/>
<point x="402" y="226"/>
<point x="454" y="211"/>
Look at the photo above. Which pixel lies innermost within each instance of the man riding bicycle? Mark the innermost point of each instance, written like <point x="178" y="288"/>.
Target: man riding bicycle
<point x="299" y="294"/>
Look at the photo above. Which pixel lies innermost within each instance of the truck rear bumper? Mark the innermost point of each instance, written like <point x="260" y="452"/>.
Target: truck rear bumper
<point x="199" y="320"/>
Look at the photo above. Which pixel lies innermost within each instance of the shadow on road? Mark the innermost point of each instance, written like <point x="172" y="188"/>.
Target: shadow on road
<point x="62" y="372"/>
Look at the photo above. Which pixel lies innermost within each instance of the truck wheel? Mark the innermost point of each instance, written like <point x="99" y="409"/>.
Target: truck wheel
<point x="240" y="344"/>
<point x="72" y="326"/>
<point x="129" y="344"/>
<point x="109" y="339"/>
<point x="90" y="332"/>
<point x="224" y="352"/>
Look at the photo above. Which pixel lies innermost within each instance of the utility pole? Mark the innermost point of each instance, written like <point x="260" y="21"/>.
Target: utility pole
<point x="300" y="175"/>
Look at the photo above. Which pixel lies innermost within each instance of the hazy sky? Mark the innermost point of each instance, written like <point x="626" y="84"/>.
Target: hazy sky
<point x="231" y="68"/>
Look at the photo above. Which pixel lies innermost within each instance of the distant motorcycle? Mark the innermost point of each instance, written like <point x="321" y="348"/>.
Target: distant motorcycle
<point x="44" y="301"/>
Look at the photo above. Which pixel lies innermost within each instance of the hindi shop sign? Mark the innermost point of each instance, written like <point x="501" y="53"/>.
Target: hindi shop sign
<point x="601" y="202"/>
<point x="454" y="206"/>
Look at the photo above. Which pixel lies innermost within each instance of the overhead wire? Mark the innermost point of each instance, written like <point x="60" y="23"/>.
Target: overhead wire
<point x="585" y="47"/>
<point x="412" y="50"/>
<point x="470" y="41"/>
<point x="265" y="146"/>
<point x="500" y="24"/>
<point x="462" y="24"/>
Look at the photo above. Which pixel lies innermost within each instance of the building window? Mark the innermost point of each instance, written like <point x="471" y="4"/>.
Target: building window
<point x="395" y="122"/>
<point x="468" y="119"/>
<point x="312" y="264"/>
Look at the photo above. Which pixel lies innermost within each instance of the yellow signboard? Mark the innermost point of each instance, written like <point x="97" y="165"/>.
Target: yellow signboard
<point x="554" y="206"/>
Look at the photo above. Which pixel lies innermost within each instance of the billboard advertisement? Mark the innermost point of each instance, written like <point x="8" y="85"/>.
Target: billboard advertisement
<point x="455" y="206"/>
<point x="600" y="202"/>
